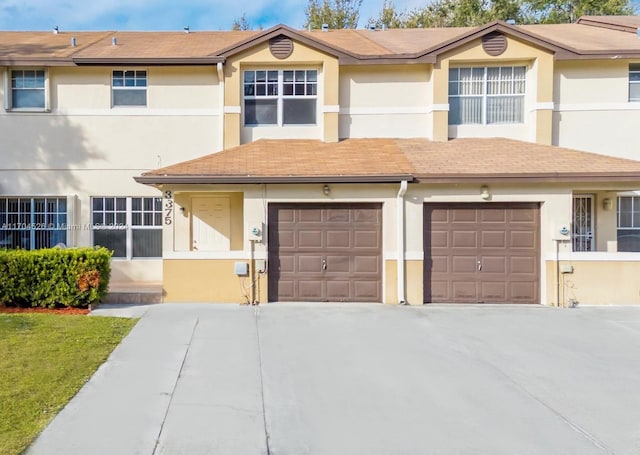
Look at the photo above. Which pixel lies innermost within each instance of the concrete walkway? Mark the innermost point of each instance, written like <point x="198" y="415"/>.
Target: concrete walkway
<point x="362" y="379"/>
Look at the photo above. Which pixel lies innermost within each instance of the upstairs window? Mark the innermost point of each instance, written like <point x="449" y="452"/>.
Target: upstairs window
<point x="482" y="96"/>
<point x="634" y="82"/>
<point x="28" y="89"/>
<point x="129" y="88"/>
<point x="280" y="97"/>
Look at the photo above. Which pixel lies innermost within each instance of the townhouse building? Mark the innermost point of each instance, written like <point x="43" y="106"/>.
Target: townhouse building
<point x="493" y="164"/>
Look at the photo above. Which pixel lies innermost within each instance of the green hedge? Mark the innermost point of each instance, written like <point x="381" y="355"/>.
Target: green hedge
<point x="54" y="277"/>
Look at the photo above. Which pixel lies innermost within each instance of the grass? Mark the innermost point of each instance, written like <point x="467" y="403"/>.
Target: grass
<point x="44" y="360"/>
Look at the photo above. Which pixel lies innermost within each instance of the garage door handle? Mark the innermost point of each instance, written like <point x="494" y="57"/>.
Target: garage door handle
<point x="479" y="266"/>
<point x="324" y="264"/>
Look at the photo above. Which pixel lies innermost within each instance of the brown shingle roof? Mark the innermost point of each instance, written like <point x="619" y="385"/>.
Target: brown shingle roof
<point x="43" y="46"/>
<point x="296" y="160"/>
<point x="374" y="160"/>
<point x="153" y="45"/>
<point x="593" y="36"/>
<point x="498" y="158"/>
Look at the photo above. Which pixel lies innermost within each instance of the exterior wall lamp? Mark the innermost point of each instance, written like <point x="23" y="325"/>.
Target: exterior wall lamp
<point x="484" y="193"/>
<point x="606" y="204"/>
<point x="326" y="190"/>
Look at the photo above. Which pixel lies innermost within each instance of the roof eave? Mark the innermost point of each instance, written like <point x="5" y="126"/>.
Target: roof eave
<point x="46" y="62"/>
<point x="210" y="179"/>
<point x="551" y="177"/>
<point x="143" y="61"/>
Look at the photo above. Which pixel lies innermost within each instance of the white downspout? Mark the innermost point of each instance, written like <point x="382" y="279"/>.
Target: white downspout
<point x="220" y="68"/>
<point x="400" y="262"/>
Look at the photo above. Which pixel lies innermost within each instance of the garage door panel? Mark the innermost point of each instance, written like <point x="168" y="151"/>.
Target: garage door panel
<point x="464" y="291"/>
<point x="464" y="239"/>
<point x="366" y="239"/>
<point x="338" y="291"/>
<point x="526" y="292"/>
<point x="523" y="264"/>
<point x="464" y="216"/>
<point x="287" y="289"/>
<point x="489" y="215"/>
<point x="493" y="239"/>
<point x="309" y="263"/>
<point x="310" y="239"/>
<point x="329" y="252"/>
<point x="309" y="216"/>
<point x="367" y="216"/>
<point x="286" y="239"/>
<point x="310" y="289"/>
<point x="338" y="264"/>
<point x="438" y="264"/>
<point x="287" y="264"/>
<point x="464" y="264"/>
<point x="524" y="216"/>
<point x="338" y="215"/>
<point x="366" y="290"/>
<point x="366" y="264"/>
<point x="523" y="239"/>
<point x="493" y="291"/>
<point x="494" y="264"/>
<point x="338" y="239"/>
<point x="439" y="239"/>
<point x="503" y="238"/>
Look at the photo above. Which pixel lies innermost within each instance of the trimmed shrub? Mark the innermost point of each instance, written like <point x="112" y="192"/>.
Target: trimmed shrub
<point x="54" y="277"/>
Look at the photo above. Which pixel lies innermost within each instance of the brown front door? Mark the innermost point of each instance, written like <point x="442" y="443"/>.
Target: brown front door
<point x="325" y="252"/>
<point x="482" y="253"/>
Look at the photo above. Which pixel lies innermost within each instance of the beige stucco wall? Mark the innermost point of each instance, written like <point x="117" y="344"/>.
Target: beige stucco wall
<point x="85" y="148"/>
<point x="385" y="101"/>
<point x="302" y="57"/>
<point x="597" y="282"/>
<point x="537" y="126"/>
<point x="592" y="108"/>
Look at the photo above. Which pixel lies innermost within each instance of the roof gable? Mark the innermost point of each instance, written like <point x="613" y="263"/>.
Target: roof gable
<point x="283" y="30"/>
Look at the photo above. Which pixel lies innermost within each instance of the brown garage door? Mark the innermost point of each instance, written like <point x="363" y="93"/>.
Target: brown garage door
<point x="482" y="253"/>
<point x="325" y="252"/>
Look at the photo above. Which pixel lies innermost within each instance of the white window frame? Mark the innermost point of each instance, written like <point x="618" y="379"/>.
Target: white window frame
<point x="8" y="90"/>
<point x="634" y="70"/>
<point x="635" y="209"/>
<point x="128" y="225"/>
<point x="35" y="221"/>
<point x="279" y="96"/>
<point x="485" y="95"/>
<point x="141" y="88"/>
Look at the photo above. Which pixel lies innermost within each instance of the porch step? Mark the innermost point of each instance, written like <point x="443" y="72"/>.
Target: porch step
<point x="134" y="293"/>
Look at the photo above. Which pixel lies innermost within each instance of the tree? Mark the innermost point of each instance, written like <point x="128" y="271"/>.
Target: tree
<point x="566" y="11"/>
<point x="241" y="24"/>
<point x="468" y="13"/>
<point x="335" y="13"/>
<point x="389" y="17"/>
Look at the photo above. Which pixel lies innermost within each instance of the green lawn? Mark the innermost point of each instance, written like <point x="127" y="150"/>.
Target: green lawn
<point x="44" y="360"/>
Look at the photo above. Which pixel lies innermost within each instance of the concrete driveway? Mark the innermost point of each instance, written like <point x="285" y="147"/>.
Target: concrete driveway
<point x="362" y="379"/>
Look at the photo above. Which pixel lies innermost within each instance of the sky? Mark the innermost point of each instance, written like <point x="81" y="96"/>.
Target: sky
<point x="80" y="15"/>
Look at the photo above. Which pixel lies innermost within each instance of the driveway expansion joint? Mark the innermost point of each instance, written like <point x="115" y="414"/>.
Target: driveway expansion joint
<point x="175" y="385"/>
<point x="256" y="314"/>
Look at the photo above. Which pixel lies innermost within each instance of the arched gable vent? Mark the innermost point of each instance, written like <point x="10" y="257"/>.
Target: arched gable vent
<point x="281" y="47"/>
<point x="494" y="43"/>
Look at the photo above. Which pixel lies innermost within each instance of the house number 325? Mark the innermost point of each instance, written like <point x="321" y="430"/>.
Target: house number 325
<point x="168" y="207"/>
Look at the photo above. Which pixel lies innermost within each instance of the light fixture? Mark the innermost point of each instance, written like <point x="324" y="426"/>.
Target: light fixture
<point x="484" y="192"/>
<point x="326" y="190"/>
<point x="184" y="212"/>
<point x="606" y="204"/>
